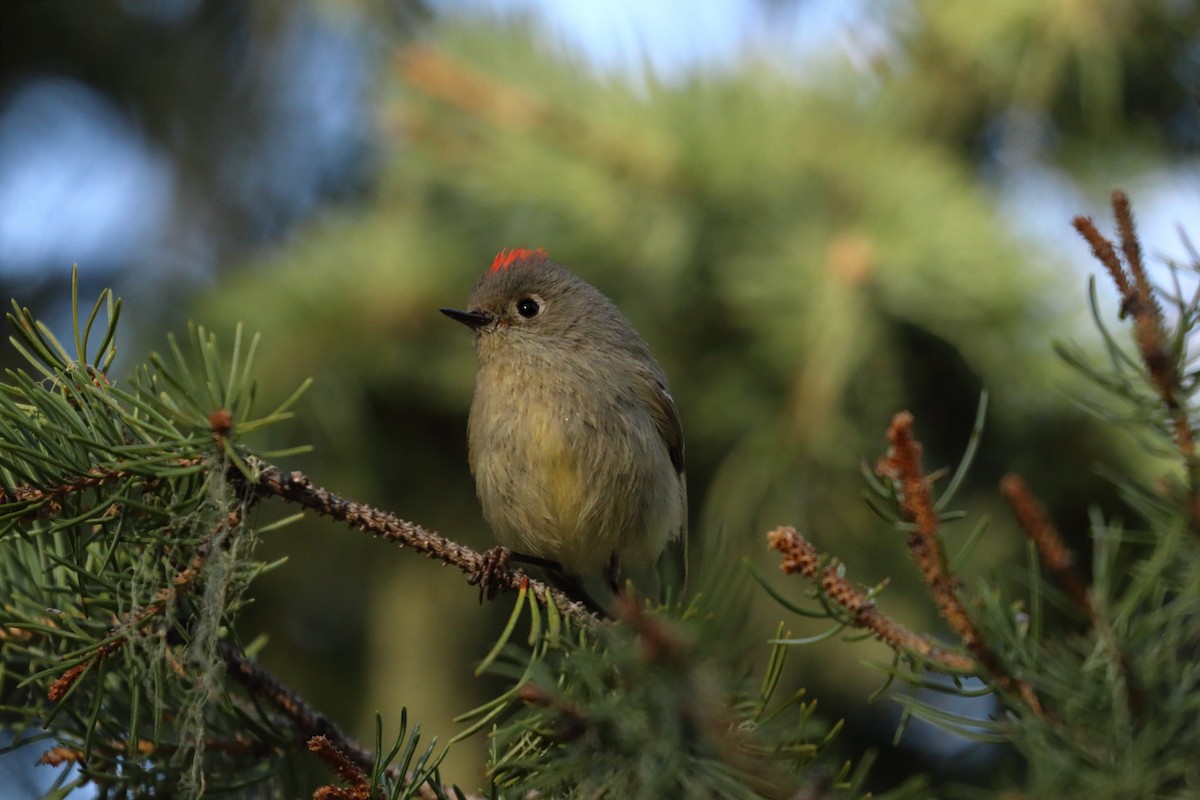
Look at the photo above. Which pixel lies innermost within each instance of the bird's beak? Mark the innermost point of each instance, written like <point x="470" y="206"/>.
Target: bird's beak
<point x="472" y="319"/>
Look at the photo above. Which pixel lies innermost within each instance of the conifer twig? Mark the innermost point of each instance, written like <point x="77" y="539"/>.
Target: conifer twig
<point x="236" y="745"/>
<point x="306" y="721"/>
<point x="44" y="501"/>
<point x="180" y="583"/>
<point x="799" y="556"/>
<point x="1059" y="560"/>
<point x="339" y="764"/>
<point x="1149" y="329"/>
<point x="1045" y="537"/>
<point x="902" y="464"/>
<point x="298" y="488"/>
<point x="308" y="724"/>
<point x="295" y="487"/>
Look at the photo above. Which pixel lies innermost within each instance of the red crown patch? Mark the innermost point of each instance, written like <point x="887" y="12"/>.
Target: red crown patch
<point x="506" y="258"/>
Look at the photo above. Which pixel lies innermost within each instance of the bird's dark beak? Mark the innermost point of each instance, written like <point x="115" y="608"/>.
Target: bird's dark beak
<point x="472" y="319"/>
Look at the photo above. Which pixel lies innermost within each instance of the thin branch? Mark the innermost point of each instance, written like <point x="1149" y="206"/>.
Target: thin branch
<point x="296" y="488"/>
<point x="306" y="721"/>
<point x="180" y="583"/>
<point x="799" y="556"/>
<point x="1059" y="560"/>
<point x="903" y="465"/>
<point x="237" y="745"/>
<point x="341" y="765"/>
<point x="1149" y="329"/>
<point x="1053" y="553"/>
<point x="43" y="501"/>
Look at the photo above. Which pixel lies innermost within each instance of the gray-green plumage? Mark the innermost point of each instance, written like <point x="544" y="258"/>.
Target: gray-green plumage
<point x="574" y="439"/>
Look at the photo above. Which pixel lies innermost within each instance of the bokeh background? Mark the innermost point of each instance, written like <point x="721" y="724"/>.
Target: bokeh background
<point x="818" y="212"/>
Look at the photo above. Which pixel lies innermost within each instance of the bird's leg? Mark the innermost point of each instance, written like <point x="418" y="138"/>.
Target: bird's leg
<point x="535" y="561"/>
<point x="624" y="591"/>
<point x="570" y="586"/>
<point x="612" y="574"/>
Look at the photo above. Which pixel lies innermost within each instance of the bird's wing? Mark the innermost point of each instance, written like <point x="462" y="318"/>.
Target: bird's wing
<point x="666" y="419"/>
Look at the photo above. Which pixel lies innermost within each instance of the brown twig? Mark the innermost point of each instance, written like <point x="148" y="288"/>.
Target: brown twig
<point x="58" y="689"/>
<point x="43" y="501"/>
<point x="180" y="582"/>
<point x="1053" y="553"/>
<point x="307" y="722"/>
<point x="1059" y="560"/>
<point x="297" y="488"/>
<point x="339" y="764"/>
<point x="236" y="745"/>
<point x="799" y="556"/>
<point x="1149" y="329"/>
<point x="902" y="464"/>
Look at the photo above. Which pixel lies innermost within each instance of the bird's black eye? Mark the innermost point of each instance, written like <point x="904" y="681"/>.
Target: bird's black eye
<point x="528" y="308"/>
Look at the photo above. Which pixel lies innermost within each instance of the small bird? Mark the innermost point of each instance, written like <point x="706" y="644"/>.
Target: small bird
<point x="573" y="438"/>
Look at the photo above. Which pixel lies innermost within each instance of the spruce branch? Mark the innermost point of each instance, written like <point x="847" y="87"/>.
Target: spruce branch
<point x="800" y="557"/>
<point x="902" y="464"/>
<point x="125" y="553"/>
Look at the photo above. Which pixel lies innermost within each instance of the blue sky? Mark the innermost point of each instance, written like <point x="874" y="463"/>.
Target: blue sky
<point x="674" y="36"/>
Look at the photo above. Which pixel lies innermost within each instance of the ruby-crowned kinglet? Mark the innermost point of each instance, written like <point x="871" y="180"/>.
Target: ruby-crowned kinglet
<point x="573" y="437"/>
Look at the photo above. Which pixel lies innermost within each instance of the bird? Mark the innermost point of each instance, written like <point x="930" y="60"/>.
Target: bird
<point x="573" y="437"/>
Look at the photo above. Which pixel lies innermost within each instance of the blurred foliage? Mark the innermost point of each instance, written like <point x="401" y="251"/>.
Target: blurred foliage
<point x="1098" y="680"/>
<point x="128" y="539"/>
<point x="806" y="249"/>
<point x="805" y="255"/>
<point x="653" y="704"/>
<point x="127" y="550"/>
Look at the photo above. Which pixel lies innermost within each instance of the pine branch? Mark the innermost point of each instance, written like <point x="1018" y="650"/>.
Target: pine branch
<point x="306" y="721"/>
<point x="903" y="465"/>
<point x="799" y="556"/>
<point x="296" y="488"/>
<point x="1045" y="537"/>
<point x="1138" y="299"/>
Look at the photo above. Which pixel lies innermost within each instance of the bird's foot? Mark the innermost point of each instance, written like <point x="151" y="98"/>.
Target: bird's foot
<point x="486" y="576"/>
